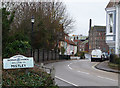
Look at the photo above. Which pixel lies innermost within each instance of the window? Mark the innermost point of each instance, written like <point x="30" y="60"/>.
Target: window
<point x="99" y="33"/>
<point x="111" y="22"/>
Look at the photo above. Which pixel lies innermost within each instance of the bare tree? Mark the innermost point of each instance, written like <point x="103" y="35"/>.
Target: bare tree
<point x="51" y="21"/>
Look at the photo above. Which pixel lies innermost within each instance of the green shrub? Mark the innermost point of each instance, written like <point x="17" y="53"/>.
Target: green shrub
<point x="77" y="54"/>
<point x="62" y="50"/>
<point x="16" y="47"/>
<point x="114" y="59"/>
<point x="33" y="78"/>
<point x="14" y="44"/>
<point x="82" y="55"/>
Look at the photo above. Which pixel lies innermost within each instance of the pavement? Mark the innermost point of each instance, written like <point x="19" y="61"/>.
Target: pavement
<point x="104" y="66"/>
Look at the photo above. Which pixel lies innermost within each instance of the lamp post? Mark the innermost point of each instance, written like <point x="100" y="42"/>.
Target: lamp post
<point x="32" y="21"/>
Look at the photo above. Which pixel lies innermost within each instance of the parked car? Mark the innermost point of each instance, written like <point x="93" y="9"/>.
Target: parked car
<point x="96" y="55"/>
<point x="105" y="55"/>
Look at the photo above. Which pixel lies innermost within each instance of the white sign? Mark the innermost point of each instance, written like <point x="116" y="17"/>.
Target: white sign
<point x="18" y="61"/>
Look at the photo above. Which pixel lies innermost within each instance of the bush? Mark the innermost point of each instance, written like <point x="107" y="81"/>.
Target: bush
<point x="33" y="78"/>
<point x="62" y="50"/>
<point x="14" y="44"/>
<point x="114" y="59"/>
<point x="16" y="47"/>
<point x="77" y="54"/>
<point x="82" y="55"/>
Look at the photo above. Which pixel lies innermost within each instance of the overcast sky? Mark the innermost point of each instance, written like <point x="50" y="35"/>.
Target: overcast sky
<point x="83" y="10"/>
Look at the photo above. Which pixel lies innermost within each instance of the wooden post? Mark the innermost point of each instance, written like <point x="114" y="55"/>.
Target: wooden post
<point x="31" y="52"/>
<point x="43" y="54"/>
<point x="53" y="73"/>
<point x="33" y="55"/>
<point x="55" y="54"/>
<point x="47" y="55"/>
<point x="52" y="54"/>
<point x="38" y="56"/>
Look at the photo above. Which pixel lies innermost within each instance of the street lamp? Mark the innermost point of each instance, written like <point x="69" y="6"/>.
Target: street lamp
<point x="32" y="21"/>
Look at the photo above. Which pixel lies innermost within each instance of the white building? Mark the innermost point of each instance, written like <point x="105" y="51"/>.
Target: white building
<point x="69" y="46"/>
<point x="113" y="26"/>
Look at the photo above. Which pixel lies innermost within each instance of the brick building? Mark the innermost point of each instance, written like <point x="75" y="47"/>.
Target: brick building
<point x="84" y="46"/>
<point x="97" y="38"/>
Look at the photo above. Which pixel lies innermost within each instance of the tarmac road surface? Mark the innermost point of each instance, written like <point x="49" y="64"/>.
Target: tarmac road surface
<point x="82" y="73"/>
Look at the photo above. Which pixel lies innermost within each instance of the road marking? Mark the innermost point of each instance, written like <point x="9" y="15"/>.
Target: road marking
<point x="77" y="71"/>
<point x="70" y="68"/>
<point x="100" y="76"/>
<point x="66" y="81"/>
<point x="94" y="66"/>
<point x="106" y="78"/>
<point x="98" y="69"/>
<point x="84" y="72"/>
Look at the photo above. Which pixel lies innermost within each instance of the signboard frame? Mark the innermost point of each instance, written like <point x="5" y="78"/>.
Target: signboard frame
<point x="18" y="61"/>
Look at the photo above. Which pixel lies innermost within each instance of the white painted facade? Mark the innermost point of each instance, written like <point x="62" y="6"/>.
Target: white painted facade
<point x="69" y="49"/>
<point x="110" y="34"/>
<point x="113" y="29"/>
<point x="117" y="45"/>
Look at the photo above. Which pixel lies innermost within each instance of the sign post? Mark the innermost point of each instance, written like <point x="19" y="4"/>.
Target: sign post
<point x="18" y="61"/>
<point x="53" y="73"/>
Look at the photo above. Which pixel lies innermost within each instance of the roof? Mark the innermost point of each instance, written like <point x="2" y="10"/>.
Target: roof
<point x="76" y="40"/>
<point x="80" y="37"/>
<point x="103" y="27"/>
<point x="86" y="41"/>
<point x="100" y="28"/>
<point x="66" y="34"/>
<point x="70" y="42"/>
<point x="112" y="3"/>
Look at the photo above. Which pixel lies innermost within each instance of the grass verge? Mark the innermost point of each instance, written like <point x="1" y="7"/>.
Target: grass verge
<point x="114" y="66"/>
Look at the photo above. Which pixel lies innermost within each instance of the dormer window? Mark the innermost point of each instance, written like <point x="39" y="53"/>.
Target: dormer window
<point x="111" y="22"/>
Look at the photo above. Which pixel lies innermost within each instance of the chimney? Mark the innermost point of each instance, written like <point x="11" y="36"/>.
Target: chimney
<point x="90" y="24"/>
<point x="114" y="2"/>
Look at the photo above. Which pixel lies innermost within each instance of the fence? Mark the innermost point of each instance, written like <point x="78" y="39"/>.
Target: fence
<point x="67" y="57"/>
<point x="41" y="55"/>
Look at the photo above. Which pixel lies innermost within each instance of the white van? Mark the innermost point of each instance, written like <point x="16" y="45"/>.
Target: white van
<point x="96" y="55"/>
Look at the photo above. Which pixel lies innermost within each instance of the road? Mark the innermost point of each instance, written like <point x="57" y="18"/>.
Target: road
<point x="82" y="73"/>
